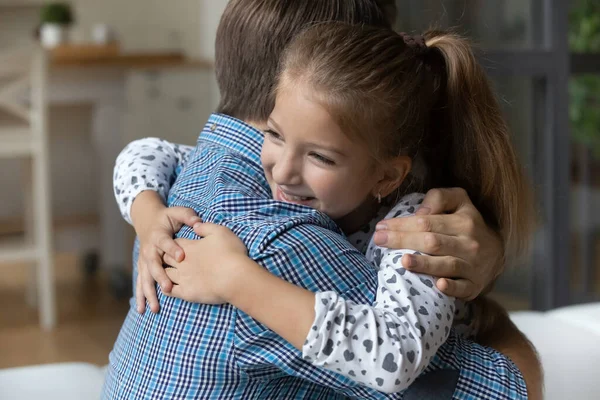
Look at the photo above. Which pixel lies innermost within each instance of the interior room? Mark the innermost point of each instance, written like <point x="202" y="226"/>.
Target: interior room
<point x="79" y="80"/>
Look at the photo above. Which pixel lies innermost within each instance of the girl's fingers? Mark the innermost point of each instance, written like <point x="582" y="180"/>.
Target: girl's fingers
<point x="149" y="290"/>
<point x="182" y="215"/>
<point x="140" y="300"/>
<point x="173" y="275"/>
<point x="170" y="261"/>
<point x="156" y="270"/>
<point x="167" y="245"/>
<point x="206" y="229"/>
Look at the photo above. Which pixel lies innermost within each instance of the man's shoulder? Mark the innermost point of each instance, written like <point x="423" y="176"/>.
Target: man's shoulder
<point x="306" y="251"/>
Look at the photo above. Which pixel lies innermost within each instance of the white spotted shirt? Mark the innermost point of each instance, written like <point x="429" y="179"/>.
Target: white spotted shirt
<point x="147" y="164"/>
<point x="392" y="341"/>
<point x="385" y="345"/>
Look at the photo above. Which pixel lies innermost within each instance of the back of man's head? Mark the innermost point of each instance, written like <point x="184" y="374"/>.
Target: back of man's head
<point x="251" y="38"/>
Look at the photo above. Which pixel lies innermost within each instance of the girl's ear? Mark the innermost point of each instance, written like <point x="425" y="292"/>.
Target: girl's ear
<point x="394" y="173"/>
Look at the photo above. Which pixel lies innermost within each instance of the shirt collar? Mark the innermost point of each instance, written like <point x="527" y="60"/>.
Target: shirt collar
<point x="234" y="134"/>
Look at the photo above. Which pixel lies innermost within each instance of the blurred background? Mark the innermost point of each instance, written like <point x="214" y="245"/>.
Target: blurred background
<point x="117" y="70"/>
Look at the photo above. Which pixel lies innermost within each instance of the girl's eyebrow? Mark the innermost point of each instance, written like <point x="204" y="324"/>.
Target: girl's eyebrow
<point x="275" y="124"/>
<point x="327" y="148"/>
<point x="321" y="146"/>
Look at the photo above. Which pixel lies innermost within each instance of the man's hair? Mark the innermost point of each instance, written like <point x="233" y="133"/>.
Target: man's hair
<point x="252" y="35"/>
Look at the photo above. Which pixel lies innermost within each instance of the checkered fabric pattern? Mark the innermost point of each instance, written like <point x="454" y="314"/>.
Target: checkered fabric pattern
<point x="197" y="351"/>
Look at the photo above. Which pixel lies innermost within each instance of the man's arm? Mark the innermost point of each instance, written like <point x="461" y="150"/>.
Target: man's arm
<point x="496" y="330"/>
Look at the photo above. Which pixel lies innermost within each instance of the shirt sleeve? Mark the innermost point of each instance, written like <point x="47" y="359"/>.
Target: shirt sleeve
<point x="147" y="164"/>
<point x="484" y="373"/>
<point x="316" y="258"/>
<point x="389" y="344"/>
<point x="386" y="345"/>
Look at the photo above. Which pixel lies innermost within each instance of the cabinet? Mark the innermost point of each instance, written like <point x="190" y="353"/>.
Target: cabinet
<point x="173" y="104"/>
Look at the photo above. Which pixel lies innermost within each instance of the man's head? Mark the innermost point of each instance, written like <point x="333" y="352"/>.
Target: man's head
<point x="251" y="38"/>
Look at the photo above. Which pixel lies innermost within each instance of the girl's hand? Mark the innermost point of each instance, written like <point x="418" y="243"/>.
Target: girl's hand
<point x="155" y="226"/>
<point x="208" y="274"/>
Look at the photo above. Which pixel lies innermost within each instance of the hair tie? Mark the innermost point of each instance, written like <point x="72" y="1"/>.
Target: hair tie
<point x="415" y="42"/>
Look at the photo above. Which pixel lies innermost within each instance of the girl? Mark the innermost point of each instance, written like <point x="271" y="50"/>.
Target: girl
<point x="363" y="116"/>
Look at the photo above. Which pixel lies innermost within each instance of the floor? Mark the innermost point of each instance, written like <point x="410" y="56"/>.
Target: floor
<point x="89" y="318"/>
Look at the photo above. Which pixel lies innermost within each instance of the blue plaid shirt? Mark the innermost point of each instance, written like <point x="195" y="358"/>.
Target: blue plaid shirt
<point x="197" y="351"/>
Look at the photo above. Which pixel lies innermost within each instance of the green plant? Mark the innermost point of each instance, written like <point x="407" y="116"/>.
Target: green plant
<point x="56" y="13"/>
<point x="584" y="105"/>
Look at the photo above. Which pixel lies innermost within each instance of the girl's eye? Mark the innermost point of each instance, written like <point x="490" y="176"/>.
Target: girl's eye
<point x="322" y="159"/>
<point x="273" y="135"/>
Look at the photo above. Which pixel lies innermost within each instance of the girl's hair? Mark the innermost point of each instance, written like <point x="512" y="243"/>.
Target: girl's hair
<point x="252" y="35"/>
<point x="426" y="97"/>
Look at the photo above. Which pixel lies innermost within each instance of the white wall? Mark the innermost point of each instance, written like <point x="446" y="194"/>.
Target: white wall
<point x="210" y="14"/>
<point x="141" y="25"/>
<point x="144" y="24"/>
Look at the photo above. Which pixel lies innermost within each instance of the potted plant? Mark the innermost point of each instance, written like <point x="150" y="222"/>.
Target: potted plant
<point x="584" y="107"/>
<point x="56" y="18"/>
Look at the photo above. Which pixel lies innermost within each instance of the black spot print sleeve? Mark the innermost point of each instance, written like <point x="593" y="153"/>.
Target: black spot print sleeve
<point x="388" y="344"/>
<point x="147" y="164"/>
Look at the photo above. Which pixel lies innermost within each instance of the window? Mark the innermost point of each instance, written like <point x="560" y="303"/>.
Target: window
<point x="525" y="48"/>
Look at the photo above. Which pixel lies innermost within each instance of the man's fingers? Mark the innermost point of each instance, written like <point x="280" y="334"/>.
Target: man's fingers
<point x="445" y="268"/>
<point x="173" y="275"/>
<point x="457" y="224"/>
<point x="156" y="270"/>
<point x="446" y="200"/>
<point x="424" y="242"/>
<point x="440" y="267"/>
<point x="447" y="224"/>
<point x="167" y="245"/>
<point x="459" y="288"/>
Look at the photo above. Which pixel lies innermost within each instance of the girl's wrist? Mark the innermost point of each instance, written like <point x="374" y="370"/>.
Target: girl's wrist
<point x="240" y="276"/>
<point x="144" y="206"/>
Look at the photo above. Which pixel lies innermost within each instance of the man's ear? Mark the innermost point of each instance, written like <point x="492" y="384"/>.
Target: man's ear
<point x="394" y="173"/>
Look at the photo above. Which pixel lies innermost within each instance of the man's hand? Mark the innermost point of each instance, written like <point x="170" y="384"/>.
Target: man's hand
<point x="155" y="225"/>
<point x="463" y="251"/>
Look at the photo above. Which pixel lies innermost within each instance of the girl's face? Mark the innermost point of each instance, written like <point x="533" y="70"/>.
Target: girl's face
<point x="308" y="160"/>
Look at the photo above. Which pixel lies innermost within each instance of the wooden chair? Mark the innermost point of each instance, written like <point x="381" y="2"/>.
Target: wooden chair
<point x="23" y="84"/>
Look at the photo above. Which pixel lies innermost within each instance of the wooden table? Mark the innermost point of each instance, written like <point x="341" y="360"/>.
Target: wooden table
<point x="78" y="56"/>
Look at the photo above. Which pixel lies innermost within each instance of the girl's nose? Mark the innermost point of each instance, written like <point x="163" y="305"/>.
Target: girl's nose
<point x="287" y="170"/>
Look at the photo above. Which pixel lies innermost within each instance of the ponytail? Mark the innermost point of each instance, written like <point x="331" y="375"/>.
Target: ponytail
<point x="479" y="155"/>
<point x="422" y="97"/>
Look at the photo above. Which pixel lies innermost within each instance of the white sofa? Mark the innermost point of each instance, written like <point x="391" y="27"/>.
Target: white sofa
<point x="72" y="381"/>
<point x="568" y="340"/>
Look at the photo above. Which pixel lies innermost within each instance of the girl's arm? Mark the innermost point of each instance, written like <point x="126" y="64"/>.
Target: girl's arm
<point x="143" y="175"/>
<point x="147" y="164"/>
<point x="385" y="346"/>
<point x="390" y="342"/>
